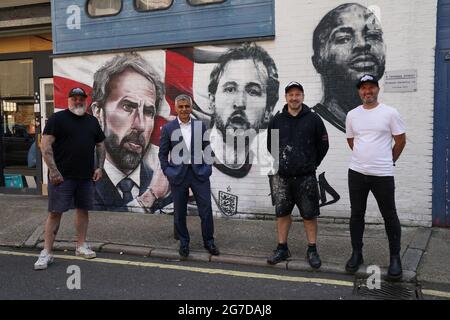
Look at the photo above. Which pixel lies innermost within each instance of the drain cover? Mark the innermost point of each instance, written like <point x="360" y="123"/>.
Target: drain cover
<point x="388" y="290"/>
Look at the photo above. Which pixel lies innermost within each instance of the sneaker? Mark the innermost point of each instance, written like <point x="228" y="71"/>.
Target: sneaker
<point x="278" y="256"/>
<point x="43" y="261"/>
<point x="85" y="252"/>
<point x="313" y="259"/>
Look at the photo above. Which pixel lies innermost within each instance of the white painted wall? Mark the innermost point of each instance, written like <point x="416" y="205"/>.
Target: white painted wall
<point x="409" y="29"/>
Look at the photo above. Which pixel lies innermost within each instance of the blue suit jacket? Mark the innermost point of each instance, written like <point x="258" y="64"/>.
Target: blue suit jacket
<point x="172" y="143"/>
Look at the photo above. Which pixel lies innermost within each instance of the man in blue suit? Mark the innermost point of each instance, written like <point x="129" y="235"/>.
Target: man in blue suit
<point x="189" y="166"/>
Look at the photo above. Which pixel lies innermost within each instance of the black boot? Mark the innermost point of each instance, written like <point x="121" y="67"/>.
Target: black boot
<point x="395" y="268"/>
<point x="354" y="262"/>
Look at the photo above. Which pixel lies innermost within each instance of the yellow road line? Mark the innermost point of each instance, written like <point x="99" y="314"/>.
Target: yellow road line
<point x="196" y="269"/>
<point x="441" y="294"/>
<point x="435" y="293"/>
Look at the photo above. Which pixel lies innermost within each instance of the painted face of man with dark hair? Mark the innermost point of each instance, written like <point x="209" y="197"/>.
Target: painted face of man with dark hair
<point x="353" y="47"/>
<point x="128" y="118"/>
<point x="241" y="97"/>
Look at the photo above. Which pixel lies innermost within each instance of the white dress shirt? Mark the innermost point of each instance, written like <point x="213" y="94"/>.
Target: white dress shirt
<point x="186" y="131"/>
<point x="115" y="175"/>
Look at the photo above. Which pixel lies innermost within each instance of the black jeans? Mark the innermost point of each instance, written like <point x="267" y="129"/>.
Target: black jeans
<point x="383" y="189"/>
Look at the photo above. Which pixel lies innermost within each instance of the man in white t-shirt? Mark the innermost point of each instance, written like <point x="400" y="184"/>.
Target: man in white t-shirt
<point x="370" y="129"/>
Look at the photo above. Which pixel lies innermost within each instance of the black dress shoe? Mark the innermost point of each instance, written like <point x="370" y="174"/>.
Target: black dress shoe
<point x="212" y="249"/>
<point x="395" y="268"/>
<point x="313" y="259"/>
<point x="184" y="250"/>
<point x="354" y="262"/>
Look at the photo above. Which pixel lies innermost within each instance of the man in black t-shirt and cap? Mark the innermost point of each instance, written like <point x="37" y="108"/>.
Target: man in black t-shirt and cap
<point x="70" y="141"/>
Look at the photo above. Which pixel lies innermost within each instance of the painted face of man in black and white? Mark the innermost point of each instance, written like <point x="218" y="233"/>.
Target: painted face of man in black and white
<point x="241" y="97"/>
<point x="348" y="43"/>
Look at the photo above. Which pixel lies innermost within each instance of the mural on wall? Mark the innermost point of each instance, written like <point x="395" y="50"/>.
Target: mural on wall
<point x="131" y="103"/>
<point x="242" y="93"/>
<point x="347" y="43"/>
<point x="234" y="88"/>
<point x="126" y="95"/>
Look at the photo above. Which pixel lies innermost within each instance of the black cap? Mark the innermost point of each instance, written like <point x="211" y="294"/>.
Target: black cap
<point x="293" y="84"/>
<point x="367" y="78"/>
<point x="77" y="92"/>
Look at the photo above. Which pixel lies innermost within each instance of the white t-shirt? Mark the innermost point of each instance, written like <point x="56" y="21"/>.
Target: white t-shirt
<point x="372" y="130"/>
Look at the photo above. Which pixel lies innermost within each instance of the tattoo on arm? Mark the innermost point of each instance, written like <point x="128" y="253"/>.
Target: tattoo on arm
<point x="47" y="151"/>
<point x="101" y="154"/>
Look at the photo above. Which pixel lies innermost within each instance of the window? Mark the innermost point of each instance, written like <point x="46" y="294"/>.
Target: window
<point x="99" y="8"/>
<point x="201" y="2"/>
<point x="16" y="78"/>
<point x="149" y="5"/>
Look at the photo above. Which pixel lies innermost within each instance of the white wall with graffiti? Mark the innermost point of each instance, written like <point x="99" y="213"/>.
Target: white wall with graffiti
<point x="325" y="45"/>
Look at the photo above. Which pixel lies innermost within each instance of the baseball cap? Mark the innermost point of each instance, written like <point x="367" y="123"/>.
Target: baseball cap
<point x="77" y="92"/>
<point x="367" y="78"/>
<point x="293" y="84"/>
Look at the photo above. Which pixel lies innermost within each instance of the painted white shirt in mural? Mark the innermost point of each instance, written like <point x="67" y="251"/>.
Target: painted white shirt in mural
<point x="247" y="195"/>
<point x="115" y="175"/>
<point x="372" y="130"/>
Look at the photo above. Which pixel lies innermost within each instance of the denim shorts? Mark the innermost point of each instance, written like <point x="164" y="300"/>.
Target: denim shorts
<point x="70" y="194"/>
<point x="301" y="191"/>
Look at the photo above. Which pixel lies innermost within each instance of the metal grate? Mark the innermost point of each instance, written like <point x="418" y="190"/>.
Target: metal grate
<point x="388" y="290"/>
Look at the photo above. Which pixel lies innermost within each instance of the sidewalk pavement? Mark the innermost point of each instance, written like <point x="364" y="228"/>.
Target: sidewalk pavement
<point x="425" y="251"/>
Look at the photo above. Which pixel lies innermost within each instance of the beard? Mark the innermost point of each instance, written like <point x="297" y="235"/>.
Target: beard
<point x="78" y="109"/>
<point x="236" y="121"/>
<point x="370" y="100"/>
<point x="124" y="158"/>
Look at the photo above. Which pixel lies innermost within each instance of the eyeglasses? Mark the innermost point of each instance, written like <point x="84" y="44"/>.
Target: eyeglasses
<point x="184" y="106"/>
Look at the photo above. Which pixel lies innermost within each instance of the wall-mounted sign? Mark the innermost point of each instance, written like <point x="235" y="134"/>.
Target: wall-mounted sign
<point x="400" y="81"/>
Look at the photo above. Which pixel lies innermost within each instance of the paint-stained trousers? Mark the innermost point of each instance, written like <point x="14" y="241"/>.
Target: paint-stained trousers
<point x="383" y="189"/>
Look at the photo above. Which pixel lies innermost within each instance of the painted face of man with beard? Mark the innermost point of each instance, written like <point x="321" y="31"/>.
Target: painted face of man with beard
<point x="240" y="100"/>
<point x="348" y="43"/>
<point x="129" y="115"/>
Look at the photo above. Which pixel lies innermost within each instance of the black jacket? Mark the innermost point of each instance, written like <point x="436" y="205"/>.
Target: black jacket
<point x="303" y="141"/>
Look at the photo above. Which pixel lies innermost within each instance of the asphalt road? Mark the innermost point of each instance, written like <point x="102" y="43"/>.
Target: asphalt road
<point x="114" y="278"/>
<point x="121" y="277"/>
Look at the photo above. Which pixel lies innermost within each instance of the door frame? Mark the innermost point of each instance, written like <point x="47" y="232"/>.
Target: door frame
<point x="43" y="120"/>
<point x="441" y="145"/>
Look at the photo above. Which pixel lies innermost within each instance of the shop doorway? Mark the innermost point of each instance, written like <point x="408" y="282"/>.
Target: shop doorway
<point x="18" y="165"/>
<point x="47" y="109"/>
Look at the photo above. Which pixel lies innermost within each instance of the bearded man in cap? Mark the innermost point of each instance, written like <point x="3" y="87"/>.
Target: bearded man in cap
<point x="68" y="146"/>
<point x="370" y="129"/>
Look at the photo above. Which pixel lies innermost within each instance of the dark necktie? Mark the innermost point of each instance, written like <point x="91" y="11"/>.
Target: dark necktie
<point x="125" y="186"/>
